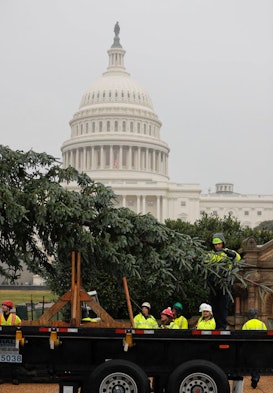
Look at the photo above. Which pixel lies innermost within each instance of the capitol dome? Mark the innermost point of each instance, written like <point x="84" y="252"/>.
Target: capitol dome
<point x="115" y="139"/>
<point x="116" y="87"/>
<point x="116" y="84"/>
<point x="116" y="129"/>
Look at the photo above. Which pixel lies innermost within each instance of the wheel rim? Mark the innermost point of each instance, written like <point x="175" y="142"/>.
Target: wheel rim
<point x="198" y="383"/>
<point x="118" y="383"/>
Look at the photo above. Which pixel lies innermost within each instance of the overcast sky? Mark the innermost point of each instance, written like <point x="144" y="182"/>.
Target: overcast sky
<point x="207" y="65"/>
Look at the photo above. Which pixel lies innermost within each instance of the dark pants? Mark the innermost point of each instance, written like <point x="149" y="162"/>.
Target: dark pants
<point x="255" y="377"/>
<point x="219" y="303"/>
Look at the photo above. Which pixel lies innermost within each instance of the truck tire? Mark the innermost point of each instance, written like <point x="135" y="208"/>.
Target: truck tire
<point x="118" y="376"/>
<point x="198" y="376"/>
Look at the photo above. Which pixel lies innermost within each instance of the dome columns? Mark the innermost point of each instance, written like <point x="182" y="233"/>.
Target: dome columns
<point x="113" y="157"/>
<point x="143" y="204"/>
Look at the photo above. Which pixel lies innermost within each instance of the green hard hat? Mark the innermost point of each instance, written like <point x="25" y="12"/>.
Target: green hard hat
<point x="178" y="305"/>
<point x="217" y="240"/>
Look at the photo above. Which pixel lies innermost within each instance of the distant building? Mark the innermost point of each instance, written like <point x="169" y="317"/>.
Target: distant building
<point x="250" y="210"/>
<point x="26" y="278"/>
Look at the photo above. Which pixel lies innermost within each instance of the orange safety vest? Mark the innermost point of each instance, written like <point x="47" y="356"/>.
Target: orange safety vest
<point x="10" y="321"/>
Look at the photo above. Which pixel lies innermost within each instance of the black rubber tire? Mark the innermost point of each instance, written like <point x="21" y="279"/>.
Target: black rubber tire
<point x="198" y="375"/>
<point x="118" y="372"/>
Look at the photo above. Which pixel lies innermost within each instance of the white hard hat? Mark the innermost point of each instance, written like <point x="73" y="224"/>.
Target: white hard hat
<point x="146" y="304"/>
<point x="205" y="307"/>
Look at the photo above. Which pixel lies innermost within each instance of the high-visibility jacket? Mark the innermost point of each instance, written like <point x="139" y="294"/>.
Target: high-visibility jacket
<point x="142" y="322"/>
<point x="171" y="325"/>
<point x="13" y="319"/>
<point x="254" y="324"/>
<point x="181" y="322"/>
<point x="218" y="256"/>
<point x="206" y="324"/>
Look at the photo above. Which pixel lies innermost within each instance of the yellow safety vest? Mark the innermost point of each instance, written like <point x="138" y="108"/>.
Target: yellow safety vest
<point x="141" y="322"/>
<point x="254" y="324"/>
<point x="13" y="319"/>
<point x="204" y="324"/>
<point x="172" y="325"/>
<point x="181" y="322"/>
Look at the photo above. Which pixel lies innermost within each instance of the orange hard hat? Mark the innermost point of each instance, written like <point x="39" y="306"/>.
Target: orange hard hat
<point x="7" y="303"/>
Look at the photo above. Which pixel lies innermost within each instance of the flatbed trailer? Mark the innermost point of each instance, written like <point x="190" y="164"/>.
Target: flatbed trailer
<point x="121" y="360"/>
<point x="110" y="356"/>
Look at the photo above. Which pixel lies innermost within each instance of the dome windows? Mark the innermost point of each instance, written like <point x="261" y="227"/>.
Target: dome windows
<point x="117" y="92"/>
<point x="111" y="125"/>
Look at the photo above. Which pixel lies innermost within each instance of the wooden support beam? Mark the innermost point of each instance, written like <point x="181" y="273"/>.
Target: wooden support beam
<point x="75" y="295"/>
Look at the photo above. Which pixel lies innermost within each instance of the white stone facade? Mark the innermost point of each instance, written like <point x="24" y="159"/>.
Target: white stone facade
<point x="250" y="210"/>
<point x="115" y="139"/>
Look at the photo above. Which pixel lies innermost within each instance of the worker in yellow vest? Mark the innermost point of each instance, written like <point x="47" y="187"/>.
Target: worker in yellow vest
<point x="7" y="318"/>
<point x="254" y="323"/>
<point x="179" y="319"/>
<point x="145" y="320"/>
<point x="166" y="319"/>
<point x="206" y="321"/>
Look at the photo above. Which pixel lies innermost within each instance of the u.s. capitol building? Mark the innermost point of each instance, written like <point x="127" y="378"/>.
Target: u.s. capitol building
<point x="115" y="139"/>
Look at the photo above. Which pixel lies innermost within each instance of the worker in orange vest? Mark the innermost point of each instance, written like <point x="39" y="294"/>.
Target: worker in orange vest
<point x="7" y="318"/>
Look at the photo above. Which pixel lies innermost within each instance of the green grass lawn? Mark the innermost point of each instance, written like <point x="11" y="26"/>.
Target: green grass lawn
<point x="25" y="301"/>
<point x="27" y="296"/>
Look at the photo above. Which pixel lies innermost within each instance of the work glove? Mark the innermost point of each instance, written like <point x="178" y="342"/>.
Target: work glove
<point x="231" y="254"/>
